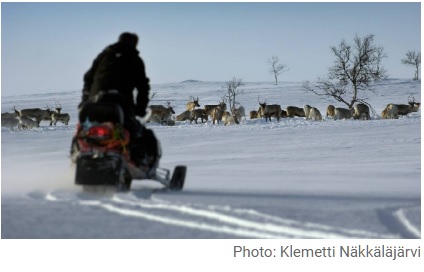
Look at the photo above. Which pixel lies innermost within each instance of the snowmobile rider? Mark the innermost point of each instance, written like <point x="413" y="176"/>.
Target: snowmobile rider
<point x="119" y="67"/>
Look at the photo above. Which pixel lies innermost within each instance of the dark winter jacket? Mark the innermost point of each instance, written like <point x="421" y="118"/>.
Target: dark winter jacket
<point x="119" y="67"/>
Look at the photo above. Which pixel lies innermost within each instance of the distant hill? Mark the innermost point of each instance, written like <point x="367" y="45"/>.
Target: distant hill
<point x="190" y="81"/>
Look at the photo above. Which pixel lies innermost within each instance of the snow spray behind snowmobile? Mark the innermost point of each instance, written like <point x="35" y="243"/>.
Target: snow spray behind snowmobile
<point x="101" y="152"/>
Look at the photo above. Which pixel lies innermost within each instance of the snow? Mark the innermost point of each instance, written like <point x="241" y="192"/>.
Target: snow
<point x="289" y="179"/>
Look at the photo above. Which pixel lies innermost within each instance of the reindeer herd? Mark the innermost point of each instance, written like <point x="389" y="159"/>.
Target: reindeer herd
<point x="218" y="113"/>
<point x="31" y="118"/>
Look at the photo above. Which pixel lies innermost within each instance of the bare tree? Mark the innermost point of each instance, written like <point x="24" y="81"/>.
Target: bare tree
<point x="276" y="68"/>
<point x="413" y="59"/>
<point x="232" y="91"/>
<point x="356" y="67"/>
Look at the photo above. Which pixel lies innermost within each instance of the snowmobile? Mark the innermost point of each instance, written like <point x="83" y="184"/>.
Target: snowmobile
<point x="101" y="151"/>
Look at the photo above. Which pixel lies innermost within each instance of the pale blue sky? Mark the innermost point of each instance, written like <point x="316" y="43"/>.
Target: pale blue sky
<point x="47" y="47"/>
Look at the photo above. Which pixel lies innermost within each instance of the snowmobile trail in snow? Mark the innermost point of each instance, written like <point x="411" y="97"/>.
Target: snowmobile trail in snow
<point x="221" y="219"/>
<point x="396" y="221"/>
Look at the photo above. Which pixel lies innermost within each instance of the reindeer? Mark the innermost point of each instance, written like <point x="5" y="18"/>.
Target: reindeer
<point x="253" y="114"/>
<point x="25" y="121"/>
<point x="37" y="113"/>
<point x="306" y="109"/>
<point x="390" y="112"/>
<point x="162" y="115"/>
<point x="412" y="106"/>
<point x="58" y="107"/>
<point x="229" y="118"/>
<point x="342" y="113"/>
<point x="270" y="110"/>
<point x="186" y="115"/>
<point x="190" y="106"/>
<point x="9" y="120"/>
<point x="361" y="111"/>
<point x="198" y="113"/>
<point x="210" y="108"/>
<point x="260" y="113"/>
<point x="59" y="117"/>
<point x="240" y="113"/>
<point x="217" y="113"/>
<point x="314" y="114"/>
<point x="293" y="111"/>
<point x="330" y="110"/>
<point x="6" y="115"/>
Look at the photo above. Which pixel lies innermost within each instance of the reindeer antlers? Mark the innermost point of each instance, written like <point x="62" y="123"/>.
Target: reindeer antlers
<point x="224" y="99"/>
<point x="409" y="99"/>
<point x="260" y="101"/>
<point x="192" y="98"/>
<point x="16" y="111"/>
<point x="58" y="106"/>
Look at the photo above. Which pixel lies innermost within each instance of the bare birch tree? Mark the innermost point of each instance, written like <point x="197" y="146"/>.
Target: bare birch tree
<point x="356" y="68"/>
<point x="232" y="88"/>
<point x="276" y="68"/>
<point x="413" y="59"/>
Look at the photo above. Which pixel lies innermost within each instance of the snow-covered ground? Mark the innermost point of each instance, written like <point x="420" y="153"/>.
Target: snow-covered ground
<point x="289" y="179"/>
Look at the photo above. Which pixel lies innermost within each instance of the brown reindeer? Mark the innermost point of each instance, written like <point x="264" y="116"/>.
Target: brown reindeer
<point x="217" y="113"/>
<point x="161" y="114"/>
<point x="37" y="114"/>
<point x="293" y="111"/>
<point x="192" y="104"/>
<point x="253" y="114"/>
<point x="412" y="106"/>
<point x="210" y="108"/>
<point x="186" y="115"/>
<point x="342" y="113"/>
<point x="198" y="113"/>
<point x="270" y="110"/>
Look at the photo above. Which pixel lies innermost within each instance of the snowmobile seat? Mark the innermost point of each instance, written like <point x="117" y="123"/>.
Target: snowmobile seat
<point x="102" y="112"/>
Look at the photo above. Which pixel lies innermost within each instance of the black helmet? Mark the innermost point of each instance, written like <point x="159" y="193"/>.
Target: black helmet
<point x="129" y="39"/>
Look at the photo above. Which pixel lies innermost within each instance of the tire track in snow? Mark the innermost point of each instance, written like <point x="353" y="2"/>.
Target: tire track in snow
<point x="400" y="215"/>
<point x="265" y="229"/>
<point x="352" y="233"/>
<point x="262" y="222"/>
<point x="179" y="222"/>
<point x="108" y="204"/>
<point x="395" y="220"/>
<point x="215" y="218"/>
